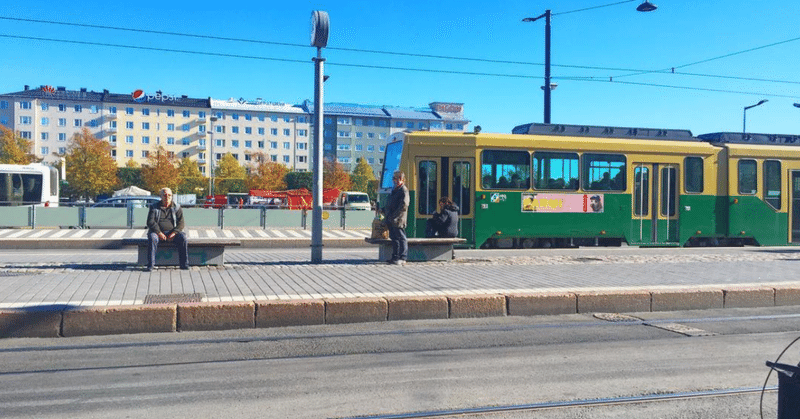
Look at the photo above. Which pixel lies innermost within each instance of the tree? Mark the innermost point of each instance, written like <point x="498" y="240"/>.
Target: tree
<point x="267" y="175"/>
<point x="193" y="180"/>
<point x="130" y="176"/>
<point x="14" y="149"/>
<point x="334" y="176"/>
<point x="364" y="179"/>
<point x="297" y="180"/>
<point x="90" y="168"/>
<point x="161" y="171"/>
<point x="230" y="176"/>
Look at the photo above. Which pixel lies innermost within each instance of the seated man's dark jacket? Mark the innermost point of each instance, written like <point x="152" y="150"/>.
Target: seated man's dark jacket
<point x="165" y="220"/>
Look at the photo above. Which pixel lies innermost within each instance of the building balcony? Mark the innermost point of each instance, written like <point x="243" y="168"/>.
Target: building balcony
<point x="200" y="147"/>
<point x="201" y="161"/>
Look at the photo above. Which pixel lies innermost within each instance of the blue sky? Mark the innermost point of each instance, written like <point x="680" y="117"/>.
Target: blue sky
<point x="613" y="41"/>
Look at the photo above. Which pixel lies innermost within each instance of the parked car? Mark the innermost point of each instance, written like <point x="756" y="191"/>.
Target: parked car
<point x="124" y="201"/>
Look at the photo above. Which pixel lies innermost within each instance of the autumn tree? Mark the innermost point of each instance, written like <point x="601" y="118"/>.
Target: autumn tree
<point x="90" y="168"/>
<point x="15" y="149"/>
<point x="161" y="171"/>
<point x="230" y="176"/>
<point x="267" y="175"/>
<point x="364" y="179"/>
<point x="334" y="176"/>
<point x="130" y="176"/>
<point x="193" y="181"/>
<point x="297" y="180"/>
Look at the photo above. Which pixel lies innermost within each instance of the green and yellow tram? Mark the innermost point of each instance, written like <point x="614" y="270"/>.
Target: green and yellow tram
<point x="563" y="185"/>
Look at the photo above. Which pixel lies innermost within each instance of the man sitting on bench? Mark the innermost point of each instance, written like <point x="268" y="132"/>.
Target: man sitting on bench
<point x="165" y="223"/>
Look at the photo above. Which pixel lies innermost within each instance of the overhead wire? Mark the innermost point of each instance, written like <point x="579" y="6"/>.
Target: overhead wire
<point x="576" y="78"/>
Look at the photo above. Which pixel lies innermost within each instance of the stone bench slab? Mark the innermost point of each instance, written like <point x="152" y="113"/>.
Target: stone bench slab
<point x="420" y="249"/>
<point x="202" y="252"/>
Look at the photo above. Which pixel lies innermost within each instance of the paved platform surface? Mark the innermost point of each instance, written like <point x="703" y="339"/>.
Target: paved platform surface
<point x="494" y="282"/>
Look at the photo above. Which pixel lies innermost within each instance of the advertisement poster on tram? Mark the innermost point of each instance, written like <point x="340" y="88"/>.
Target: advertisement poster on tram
<point x="562" y="203"/>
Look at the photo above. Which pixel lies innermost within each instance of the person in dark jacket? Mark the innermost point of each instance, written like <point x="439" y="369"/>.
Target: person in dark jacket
<point x="165" y="223"/>
<point x="396" y="211"/>
<point x="444" y="223"/>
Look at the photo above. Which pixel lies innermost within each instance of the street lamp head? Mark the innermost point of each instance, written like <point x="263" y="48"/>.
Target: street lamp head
<point x="797" y="105"/>
<point x="646" y="6"/>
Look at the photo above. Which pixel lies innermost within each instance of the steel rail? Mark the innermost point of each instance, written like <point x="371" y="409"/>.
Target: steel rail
<point x="610" y="401"/>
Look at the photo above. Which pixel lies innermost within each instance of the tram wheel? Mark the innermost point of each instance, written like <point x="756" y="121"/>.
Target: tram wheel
<point x="528" y="243"/>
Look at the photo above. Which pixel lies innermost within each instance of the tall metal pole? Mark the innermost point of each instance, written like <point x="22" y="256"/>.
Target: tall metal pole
<point x="316" y="212"/>
<point x="744" y="115"/>
<point x="547" y="90"/>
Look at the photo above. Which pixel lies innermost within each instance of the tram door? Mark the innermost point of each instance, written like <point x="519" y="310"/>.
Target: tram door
<point x="795" y="203"/>
<point x="655" y="204"/>
<point x="445" y="176"/>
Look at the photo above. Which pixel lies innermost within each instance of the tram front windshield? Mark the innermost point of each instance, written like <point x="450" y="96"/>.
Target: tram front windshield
<point x="391" y="163"/>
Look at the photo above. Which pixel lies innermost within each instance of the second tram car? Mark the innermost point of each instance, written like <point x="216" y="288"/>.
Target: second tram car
<point x="565" y="185"/>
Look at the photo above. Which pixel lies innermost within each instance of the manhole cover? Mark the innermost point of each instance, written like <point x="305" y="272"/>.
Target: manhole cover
<point x="173" y="298"/>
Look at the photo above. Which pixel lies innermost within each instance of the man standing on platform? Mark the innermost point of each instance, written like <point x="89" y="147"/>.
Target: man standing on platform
<point x="396" y="210"/>
<point x="165" y="223"/>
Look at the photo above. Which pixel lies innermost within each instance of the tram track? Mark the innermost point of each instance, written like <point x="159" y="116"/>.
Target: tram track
<point x="569" y="404"/>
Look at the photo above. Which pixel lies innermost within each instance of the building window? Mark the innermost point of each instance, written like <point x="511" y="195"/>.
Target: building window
<point x="201" y="128"/>
<point x="247" y="117"/>
<point x="26" y="135"/>
<point x="145" y="140"/>
<point x="410" y="125"/>
<point x="3" y="104"/>
<point x="186" y="127"/>
<point x="62" y="136"/>
<point x="248" y="130"/>
<point x="301" y="159"/>
<point x="25" y="105"/>
<point x="286" y="159"/>
<point x="398" y="124"/>
<point x="170" y="127"/>
<point x="129" y="153"/>
<point x="302" y="133"/>
<point x="220" y="129"/>
<point x="62" y="107"/>
<point x="170" y="113"/>
<point x="273" y="131"/>
<point x="287" y="146"/>
<point x="145" y="154"/>
<point x="302" y="146"/>
<point x="129" y="111"/>
<point x="370" y="148"/>
<point x="129" y="139"/>
<point x="187" y="114"/>
<point x="344" y="134"/>
<point x="220" y="143"/>
<point x="129" y="124"/>
<point x="359" y="147"/>
<point x="235" y="116"/>
<point x="201" y="115"/>
<point x="112" y="110"/>
<point x="145" y="111"/>
<point x="170" y="140"/>
<point x="45" y="106"/>
<point x="273" y="157"/>
<point x="343" y="147"/>
<point x="78" y="122"/>
<point x="45" y="151"/>
<point x="248" y="144"/>
<point x="45" y="136"/>
<point x="25" y="120"/>
<point x="145" y="125"/>
<point x="261" y="131"/>
<point x="344" y="160"/>
<point x="260" y="144"/>
<point x="235" y="143"/>
<point x="112" y="139"/>
<point x="234" y="130"/>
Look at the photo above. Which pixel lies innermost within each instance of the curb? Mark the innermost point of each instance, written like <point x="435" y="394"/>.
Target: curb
<point x="48" y="322"/>
<point x="255" y="243"/>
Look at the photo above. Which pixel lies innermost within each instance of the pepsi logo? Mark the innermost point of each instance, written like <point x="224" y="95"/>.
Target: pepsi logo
<point x="48" y="89"/>
<point x="139" y="95"/>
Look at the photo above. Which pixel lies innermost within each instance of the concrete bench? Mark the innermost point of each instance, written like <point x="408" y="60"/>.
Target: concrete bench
<point x="419" y="249"/>
<point x="201" y="251"/>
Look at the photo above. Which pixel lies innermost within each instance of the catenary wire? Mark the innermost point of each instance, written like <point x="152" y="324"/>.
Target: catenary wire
<point x="634" y="72"/>
<point x="525" y="76"/>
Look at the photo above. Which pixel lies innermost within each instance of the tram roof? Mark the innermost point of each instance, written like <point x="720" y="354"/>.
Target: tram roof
<point x="757" y="139"/>
<point x="605" y="132"/>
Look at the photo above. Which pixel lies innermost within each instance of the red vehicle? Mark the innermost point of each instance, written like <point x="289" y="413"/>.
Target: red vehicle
<point x="291" y="199"/>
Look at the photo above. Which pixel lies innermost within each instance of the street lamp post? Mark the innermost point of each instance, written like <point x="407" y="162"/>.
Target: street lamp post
<point x="548" y="86"/>
<point x="320" y="25"/>
<point x="211" y="157"/>
<point x="744" y="115"/>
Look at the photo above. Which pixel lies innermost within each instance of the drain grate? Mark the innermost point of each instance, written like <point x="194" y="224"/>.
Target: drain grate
<point x="173" y="298"/>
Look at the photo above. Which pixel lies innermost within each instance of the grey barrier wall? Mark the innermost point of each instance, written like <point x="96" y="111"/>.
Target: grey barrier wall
<point x="83" y="217"/>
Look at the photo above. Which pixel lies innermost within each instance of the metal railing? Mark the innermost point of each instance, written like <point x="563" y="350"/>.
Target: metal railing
<point x="130" y="217"/>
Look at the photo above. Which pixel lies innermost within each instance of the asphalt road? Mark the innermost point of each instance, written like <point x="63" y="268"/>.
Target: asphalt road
<point x="401" y="367"/>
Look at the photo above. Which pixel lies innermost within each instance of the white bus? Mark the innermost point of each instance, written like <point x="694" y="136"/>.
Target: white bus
<point x="29" y="184"/>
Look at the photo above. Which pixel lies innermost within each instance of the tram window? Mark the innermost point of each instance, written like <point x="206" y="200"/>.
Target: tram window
<point x="772" y="183"/>
<point x="641" y="191"/>
<point x="555" y="171"/>
<point x="747" y="177"/>
<point x="426" y="190"/>
<point x="505" y="169"/>
<point x="462" y="191"/>
<point x="391" y="164"/>
<point x="669" y="196"/>
<point x="604" y="172"/>
<point x="693" y="176"/>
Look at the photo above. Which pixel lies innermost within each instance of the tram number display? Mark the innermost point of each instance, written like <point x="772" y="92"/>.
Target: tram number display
<point x="563" y="203"/>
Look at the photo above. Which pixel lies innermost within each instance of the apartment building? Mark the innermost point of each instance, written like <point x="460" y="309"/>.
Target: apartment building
<point x="354" y="131"/>
<point x="136" y="124"/>
<point x="280" y="132"/>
